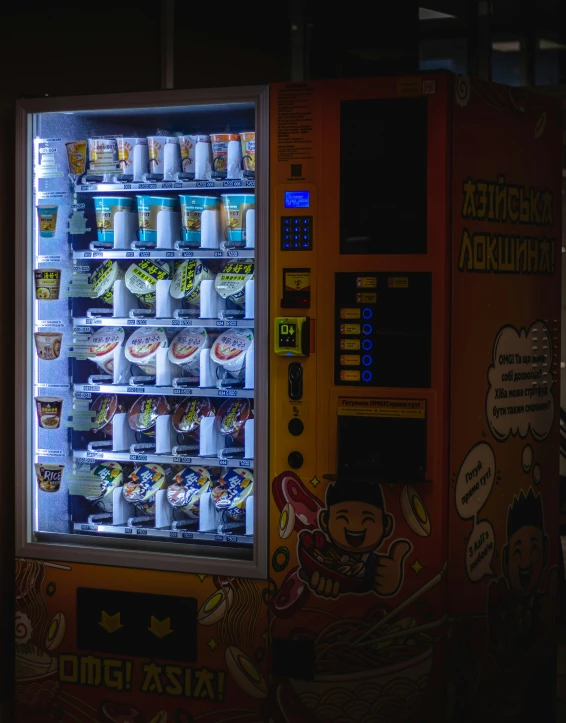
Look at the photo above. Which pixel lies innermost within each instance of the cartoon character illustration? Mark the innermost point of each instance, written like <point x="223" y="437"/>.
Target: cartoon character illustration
<point x="518" y="611"/>
<point x="341" y="557"/>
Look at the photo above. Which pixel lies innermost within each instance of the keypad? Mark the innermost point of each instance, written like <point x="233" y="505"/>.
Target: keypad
<point x="296" y="233"/>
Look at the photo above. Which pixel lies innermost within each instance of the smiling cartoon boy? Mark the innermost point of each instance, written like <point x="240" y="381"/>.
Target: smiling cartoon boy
<point x="355" y="524"/>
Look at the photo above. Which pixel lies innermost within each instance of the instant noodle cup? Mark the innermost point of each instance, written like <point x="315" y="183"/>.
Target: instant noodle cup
<point x="186" y="282"/>
<point x="161" y="163"/>
<point x="220" y="142"/>
<point x="232" y="417"/>
<point x="106" y="208"/>
<point x="186" y="347"/>
<point x="49" y="412"/>
<point x="143" y="414"/>
<point x="142" y="347"/>
<point x="248" y="152"/>
<point x="192" y="208"/>
<point x="230" y="282"/>
<point x="108" y="476"/>
<point x="142" y="277"/>
<point x="47" y="284"/>
<point x="133" y="156"/>
<point x="143" y="484"/>
<point x="76" y="156"/>
<point x="47" y="216"/>
<point x="232" y="489"/>
<point x="188" y="152"/>
<point x="188" y="487"/>
<point x="49" y="476"/>
<point x="236" y="206"/>
<point x="149" y="207"/>
<point x="230" y="348"/>
<point x="189" y="413"/>
<point x="105" y="407"/>
<point x="102" y="280"/>
<point x="103" y="154"/>
<point x="48" y="344"/>
<point x="102" y="346"/>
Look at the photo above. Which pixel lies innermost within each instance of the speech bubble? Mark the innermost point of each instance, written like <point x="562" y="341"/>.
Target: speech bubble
<point x="479" y="551"/>
<point x="475" y="480"/>
<point x="520" y="397"/>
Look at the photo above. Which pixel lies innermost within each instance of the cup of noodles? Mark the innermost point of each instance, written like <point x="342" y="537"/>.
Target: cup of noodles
<point x="47" y="284"/>
<point x="231" y="280"/>
<point x="143" y="414"/>
<point x="187" y="279"/>
<point x="248" y="153"/>
<point x="189" y="413"/>
<point x="143" y="484"/>
<point x="192" y="208"/>
<point x="149" y="207"/>
<point x="222" y="160"/>
<point x="232" y="489"/>
<point x="143" y="345"/>
<point x="106" y="208"/>
<point x="105" y="407"/>
<point x="187" y="488"/>
<point x="107" y="476"/>
<point x="230" y="348"/>
<point x="48" y="344"/>
<point x="47" y="216"/>
<point x="102" y="346"/>
<point x="103" y="155"/>
<point x="231" y="418"/>
<point x="236" y="206"/>
<point x="102" y="280"/>
<point x="186" y="347"/>
<point x="133" y="157"/>
<point x="49" y="411"/>
<point x="164" y="156"/>
<point x="189" y="152"/>
<point x="49" y="476"/>
<point x="142" y="277"/>
<point x="76" y="156"/>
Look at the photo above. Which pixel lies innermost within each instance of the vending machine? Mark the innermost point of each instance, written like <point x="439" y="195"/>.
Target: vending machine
<point x="286" y="403"/>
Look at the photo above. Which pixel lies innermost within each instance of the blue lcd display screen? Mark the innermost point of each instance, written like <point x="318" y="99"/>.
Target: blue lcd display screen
<point x="297" y="199"/>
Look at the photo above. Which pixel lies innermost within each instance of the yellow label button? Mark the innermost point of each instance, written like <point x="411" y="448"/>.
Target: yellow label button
<point x="366" y="282"/>
<point x="349" y="328"/>
<point x="349" y="344"/>
<point x="350" y="313"/>
<point x="350" y="360"/>
<point x="398" y="282"/>
<point x="349" y="375"/>
<point x="366" y="298"/>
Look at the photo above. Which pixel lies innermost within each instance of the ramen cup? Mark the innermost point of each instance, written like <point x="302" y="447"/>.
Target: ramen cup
<point x="49" y="412"/>
<point x="103" y="155"/>
<point x="188" y="487"/>
<point x="221" y="156"/>
<point x="230" y="282"/>
<point x="186" y="347"/>
<point x="189" y="151"/>
<point x="142" y="277"/>
<point x="47" y="284"/>
<point x="76" y="156"/>
<point x="236" y="206"/>
<point x="164" y="156"/>
<point x="187" y="279"/>
<point x="232" y="489"/>
<point x="102" y="346"/>
<point x="192" y="208"/>
<point x="102" y="280"/>
<point x="49" y="476"/>
<point x="47" y="220"/>
<point x="106" y="208"/>
<point x="143" y="414"/>
<point x="230" y="348"/>
<point x="142" y="348"/>
<point x="231" y="418"/>
<point x="248" y="153"/>
<point x="48" y="344"/>
<point x="149" y="207"/>
<point x="133" y="157"/>
<point x="107" y="476"/>
<point x="105" y="407"/>
<point x="143" y="484"/>
<point x="189" y="413"/>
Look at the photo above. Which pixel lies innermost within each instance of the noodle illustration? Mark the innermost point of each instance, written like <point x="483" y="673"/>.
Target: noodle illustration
<point x="244" y="604"/>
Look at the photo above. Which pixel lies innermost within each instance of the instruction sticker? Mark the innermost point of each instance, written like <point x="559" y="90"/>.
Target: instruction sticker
<point x="297" y="280"/>
<point x="363" y="407"/>
<point x="398" y="282"/>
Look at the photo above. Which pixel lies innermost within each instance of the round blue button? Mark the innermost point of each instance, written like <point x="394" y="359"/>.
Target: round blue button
<point x="367" y="360"/>
<point x="367" y="313"/>
<point x="367" y="344"/>
<point x="367" y="328"/>
<point x="366" y="376"/>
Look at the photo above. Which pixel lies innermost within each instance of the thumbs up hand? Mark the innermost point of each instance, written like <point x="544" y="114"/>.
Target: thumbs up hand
<point x="388" y="571"/>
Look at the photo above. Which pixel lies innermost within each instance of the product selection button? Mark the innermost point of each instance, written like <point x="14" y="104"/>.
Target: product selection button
<point x="349" y="375"/>
<point x="367" y="298"/>
<point x="350" y="313"/>
<point x="367" y="328"/>
<point x="350" y="360"/>
<point x="349" y="329"/>
<point x="350" y="344"/>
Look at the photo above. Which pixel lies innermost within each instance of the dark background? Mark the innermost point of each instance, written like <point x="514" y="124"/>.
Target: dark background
<point x="104" y="47"/>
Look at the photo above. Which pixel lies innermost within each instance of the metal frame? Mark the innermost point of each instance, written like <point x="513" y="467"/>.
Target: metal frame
<point x="80" y="551"/>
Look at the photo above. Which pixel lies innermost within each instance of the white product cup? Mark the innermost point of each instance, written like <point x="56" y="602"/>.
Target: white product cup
<point x="102" y="345"/>
<point x="142" y="348"/>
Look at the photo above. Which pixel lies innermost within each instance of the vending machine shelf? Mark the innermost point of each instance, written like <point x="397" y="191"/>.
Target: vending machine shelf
<point x="166" y="391"/>
<point x="174" y="535"/>
<point x="212" y="185"/>
<point x="86" y="456"/>
<point x="152" y="321"/>
<point x="165" y="253"/>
